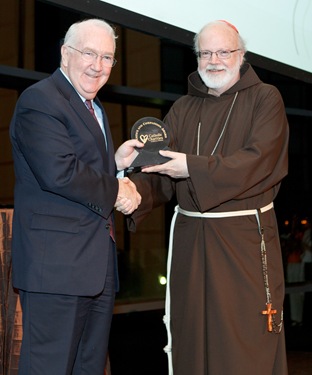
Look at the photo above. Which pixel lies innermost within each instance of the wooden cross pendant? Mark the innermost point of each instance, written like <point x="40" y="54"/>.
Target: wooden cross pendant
<point x="269" y="312"/>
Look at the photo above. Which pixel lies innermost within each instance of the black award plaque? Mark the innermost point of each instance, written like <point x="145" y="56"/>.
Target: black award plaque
<point x="155" y="136"/>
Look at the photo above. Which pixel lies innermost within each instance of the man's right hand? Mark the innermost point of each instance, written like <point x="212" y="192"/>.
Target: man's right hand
<point x="128" y="199"/>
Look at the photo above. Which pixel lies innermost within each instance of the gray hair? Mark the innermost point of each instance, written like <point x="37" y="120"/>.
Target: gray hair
<point x="241" y="42"/>
<point x="72" y="34"/>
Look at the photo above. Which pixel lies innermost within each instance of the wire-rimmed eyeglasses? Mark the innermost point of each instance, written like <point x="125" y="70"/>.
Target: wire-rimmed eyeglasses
<point x="221" y="54"/>
<point x="91" y="57"/>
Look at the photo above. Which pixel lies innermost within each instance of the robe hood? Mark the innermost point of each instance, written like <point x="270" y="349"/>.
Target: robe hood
<point x="248" y="78"/>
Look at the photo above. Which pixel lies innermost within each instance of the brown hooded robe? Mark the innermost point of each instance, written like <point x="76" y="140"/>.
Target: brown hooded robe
<point x="217" y="285"/>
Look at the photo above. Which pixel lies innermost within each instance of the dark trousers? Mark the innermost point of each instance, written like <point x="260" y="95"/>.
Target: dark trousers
<point x="66" y="335"/>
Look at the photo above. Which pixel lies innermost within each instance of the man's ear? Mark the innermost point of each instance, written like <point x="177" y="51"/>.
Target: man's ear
<point x="64" y="54"/>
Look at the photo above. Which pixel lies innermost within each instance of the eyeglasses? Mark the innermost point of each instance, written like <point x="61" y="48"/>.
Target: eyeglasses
<point x="222" y="54"/>
<point x="91" y="57"/>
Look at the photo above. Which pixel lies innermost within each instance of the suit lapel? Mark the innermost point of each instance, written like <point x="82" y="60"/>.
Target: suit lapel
<point x="109" y="139"/>
<point x="80" y="108"/>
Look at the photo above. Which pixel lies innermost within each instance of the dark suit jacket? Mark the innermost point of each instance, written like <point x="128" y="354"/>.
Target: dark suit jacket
<point x="64" y="193"/>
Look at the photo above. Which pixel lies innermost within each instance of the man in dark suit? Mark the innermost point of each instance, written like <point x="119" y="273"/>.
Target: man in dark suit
<point x="63" y="250"/>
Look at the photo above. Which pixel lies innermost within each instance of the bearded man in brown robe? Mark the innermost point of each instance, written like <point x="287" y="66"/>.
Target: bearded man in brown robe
<point x="224" y="302"/>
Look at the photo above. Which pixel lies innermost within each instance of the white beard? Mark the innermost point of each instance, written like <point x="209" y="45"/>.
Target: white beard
<point x="218" y="81"/>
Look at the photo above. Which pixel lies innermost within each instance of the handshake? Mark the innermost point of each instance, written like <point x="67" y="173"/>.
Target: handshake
<point x="172" y="164"/>
<point x="128" y="198"/>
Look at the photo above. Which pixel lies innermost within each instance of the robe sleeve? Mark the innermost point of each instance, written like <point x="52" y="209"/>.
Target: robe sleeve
<point x="155" y="190"/>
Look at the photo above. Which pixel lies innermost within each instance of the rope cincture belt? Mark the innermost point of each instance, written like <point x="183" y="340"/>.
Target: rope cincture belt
<point x="223" y="214"/>
<point x="272" y="326"/>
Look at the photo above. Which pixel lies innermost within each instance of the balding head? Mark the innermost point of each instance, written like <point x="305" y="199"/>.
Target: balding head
<point x="221" y="29"/>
